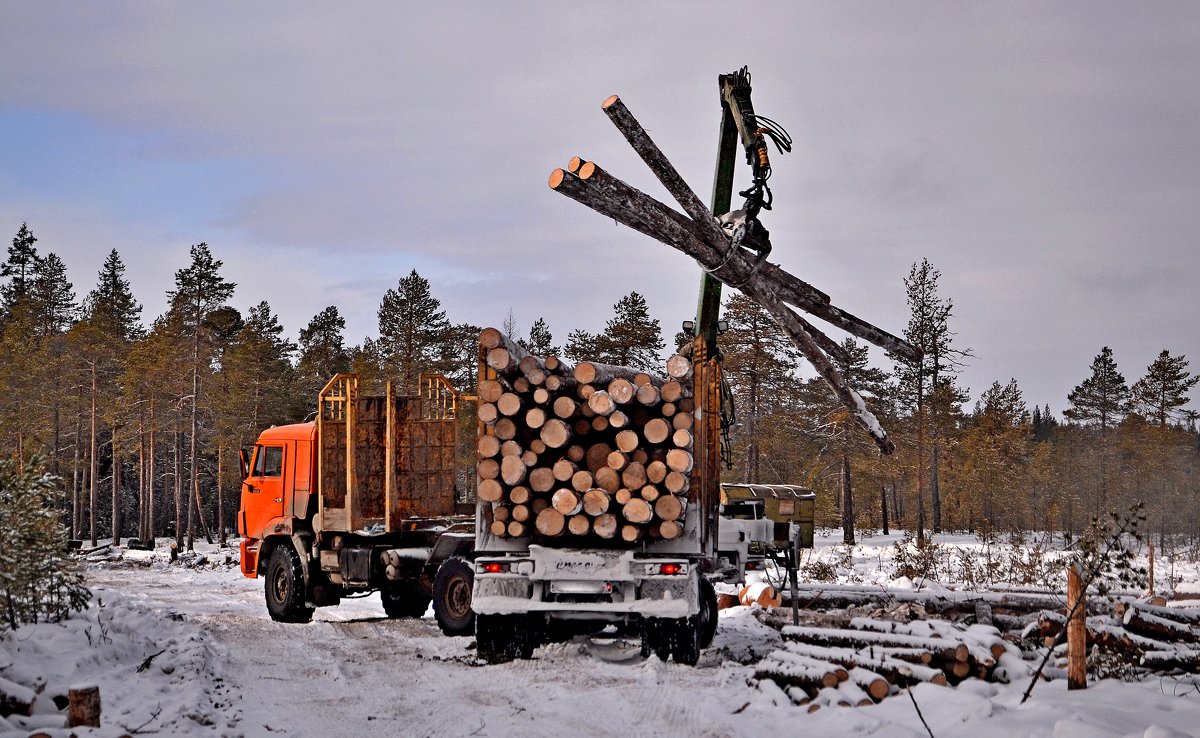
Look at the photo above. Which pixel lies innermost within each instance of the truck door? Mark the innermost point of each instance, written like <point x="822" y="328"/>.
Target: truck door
<point x="263" y="489"/>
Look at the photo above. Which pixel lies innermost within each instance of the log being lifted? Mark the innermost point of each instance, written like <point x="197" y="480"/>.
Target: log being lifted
<point x="608" y="196"/>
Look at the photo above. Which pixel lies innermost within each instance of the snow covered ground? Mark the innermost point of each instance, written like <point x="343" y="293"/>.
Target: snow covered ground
<point x="223" y="668"/>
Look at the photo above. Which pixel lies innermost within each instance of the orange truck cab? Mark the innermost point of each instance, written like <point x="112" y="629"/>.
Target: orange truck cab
<point x="362" y="500"/>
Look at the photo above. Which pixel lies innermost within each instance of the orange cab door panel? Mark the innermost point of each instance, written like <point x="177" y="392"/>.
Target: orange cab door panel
<point x="263" y="491"/>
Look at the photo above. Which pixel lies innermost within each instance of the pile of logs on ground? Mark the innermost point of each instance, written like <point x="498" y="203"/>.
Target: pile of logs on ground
<point x="870" y="659"/>
<point x="596" y="450"/>
<point x="1151" y="637"/>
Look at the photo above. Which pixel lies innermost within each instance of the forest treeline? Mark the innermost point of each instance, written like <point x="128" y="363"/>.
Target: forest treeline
<point x="143" y="418"/>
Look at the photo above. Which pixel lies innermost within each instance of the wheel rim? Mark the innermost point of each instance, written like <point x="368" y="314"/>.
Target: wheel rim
<point x="458" y="597"/>
<point x="279" y="585"/>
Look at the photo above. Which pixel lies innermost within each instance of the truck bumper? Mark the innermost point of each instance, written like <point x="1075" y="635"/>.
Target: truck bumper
<point x="249" y="557"/>
<point x="585" y="585"/>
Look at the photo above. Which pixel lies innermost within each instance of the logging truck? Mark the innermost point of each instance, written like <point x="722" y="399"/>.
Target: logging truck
<point x="362" y="499"/>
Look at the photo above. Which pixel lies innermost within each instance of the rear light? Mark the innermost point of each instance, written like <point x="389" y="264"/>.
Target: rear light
<point x="666" y="569"/>
<point x="751" y="565"/>
<point x="495" y="567"/>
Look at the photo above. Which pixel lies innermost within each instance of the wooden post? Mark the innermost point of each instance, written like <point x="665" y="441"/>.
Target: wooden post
<point x="83" y="706"/>
<point x="1076" y="628"/>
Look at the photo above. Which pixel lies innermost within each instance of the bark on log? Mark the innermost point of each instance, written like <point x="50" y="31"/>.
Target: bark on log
<point x="1142" y="622"/>
<point x="860" y="639"/>
<point x="83" y="706"/>
<point x="594" y="373"/>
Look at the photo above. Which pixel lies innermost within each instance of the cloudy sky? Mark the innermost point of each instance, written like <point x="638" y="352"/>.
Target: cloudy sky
<point x="1044" y="156"/>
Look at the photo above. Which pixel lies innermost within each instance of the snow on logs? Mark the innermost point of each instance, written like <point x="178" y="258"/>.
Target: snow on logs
<point x="595" y="450"/>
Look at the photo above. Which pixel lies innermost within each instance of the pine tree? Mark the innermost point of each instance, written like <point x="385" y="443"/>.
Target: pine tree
<point x="1102" y="398"/>
<point x="632" y="338"/>
<point x="413" y="332"/>
<point x="322" y="353"/>
<point x="928" y="386"/>
<point x="540" y="342"/>
<point x="582" y="346"/>
<point x="1159" y="395"/>
<point x="199" y="290"/>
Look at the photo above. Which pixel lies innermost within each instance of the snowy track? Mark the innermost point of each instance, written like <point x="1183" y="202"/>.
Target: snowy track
<point x="228" y="670"/>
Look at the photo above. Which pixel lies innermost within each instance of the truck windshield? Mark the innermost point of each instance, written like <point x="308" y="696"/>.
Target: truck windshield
<point x="268" y="462"/>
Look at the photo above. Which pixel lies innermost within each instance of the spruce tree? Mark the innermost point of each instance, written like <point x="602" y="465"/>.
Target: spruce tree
<point x="540" y="342"/>
<point x="19" y="268"/>
<point x="111" y="305"/>
<point x="322" y="353"/>
<point x="52" y="296"/>
<point x="1159" y="395"/>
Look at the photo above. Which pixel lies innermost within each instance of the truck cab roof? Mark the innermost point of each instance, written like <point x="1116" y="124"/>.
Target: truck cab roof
<point x="293" y="432"/>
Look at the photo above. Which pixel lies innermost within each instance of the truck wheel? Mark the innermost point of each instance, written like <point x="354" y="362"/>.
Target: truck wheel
<point x="452" y="597"/>
<point x="502" y="638"/>
<point x="708" y="613"/>
<point x="685" y="641"/>
<point x="285" y="586"/>
<point x="404" y="599"/>
<point x="656" y="638"/>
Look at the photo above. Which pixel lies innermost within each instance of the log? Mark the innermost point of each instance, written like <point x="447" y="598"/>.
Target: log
<point x="15" y="699"/>
<point x="518" y="496"/>
<point x="538" y="446"/>
<point x="1142" y="622"/>
<point x="682" y="438"/>
<point x="608" y="479"/>
<point x="501" y="512"/>
<point x="673" y="391"/>
<point x="597" y="456"/>
<point x="535" y="418"/>
<point x="579" y="525"/>
<point x="618" y="420"/>
<point x="513" y="470"/>
<point x="676" y="483"/>
<point x="670" y="529"/>
<point x="790" y="669"/>
<point x="605" y="525"/>
<point x="521" y="385"/>
<point x="581" y="481"/>
<point x="594" y="373"/>
<point x="505" y="429"/>
<point x="627" y="441"/>
<point x="601" y="402"/>
<point x="550" y="522"/>
<point x="542" y="479"/>
<point x="643" y="213"/>
<point x="1076" y="628"/>
<point x="634" y="476"/>
<point x="669" y="507"/>
<point x="564" y="469"/>
<point x="541" y="396"/>
<point x="618" y="460"/>
<point x="679" y="367"/>
<point x="83" y="706"/>
<point x="490" y="390"/>
<point x="679" y="460"/>
<point x="498" y="528"/>
<point x="555" y="433"/>
<point x="510" y="448"/>
<point x="1181" y="659"/>
<point x="656" y="472"/>
<point x="516" y="529"/>
<point x="596" y="501"/>
<point x="620" y="390"/>
<point x="564" y="407"/>
<point x="649" y="493"/>
<point x="487" y="468"/>
<point x="489" y="490"/>
<point x="648" y="395"/>
<point x="656" y="431"/>
<point x="567" y="501"/>
<point x="529" y="458"/>
<point x="487" y="446"/>
<point x="538" y="504"/>
<point x="637" y="510"/>
<point x="667" y="409"/>
<point x="631" y="533"/>
<point x="575" y="453"/>
<point x="555" y="383"/>
<point x="640" y="456"/>
<point x="509" y="404"/>
<point x="875" y="686"/>
<point x="1170" y="613"/>
<point x="556" y="365"/>
<point x="487" y="412"/>
<point x="682" y="421"/>
<point x="600" y="423"/>
<point x="583" y="426"/>
<point x="623" y="495"/>
<point x="859" y="639"/>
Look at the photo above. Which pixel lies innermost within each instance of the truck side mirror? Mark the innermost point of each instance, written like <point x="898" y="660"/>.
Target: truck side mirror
<point x="244" y="461"/>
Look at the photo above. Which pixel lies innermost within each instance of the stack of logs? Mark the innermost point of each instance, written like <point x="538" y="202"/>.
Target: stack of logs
<point x="598" y="450"/>
<point x="865" y="662"/>
<point x="1149" y="636"/>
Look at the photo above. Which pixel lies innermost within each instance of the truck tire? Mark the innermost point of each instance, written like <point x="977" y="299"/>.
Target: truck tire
<point x="406" y="599"/>
<point x="452" y="597"/>
<point x="708" y="613"/>
<point x="502" y="638"/>
<point x="656" y="638"/>
<point x="284" y="586"/>
<point x="685" y="640"/>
